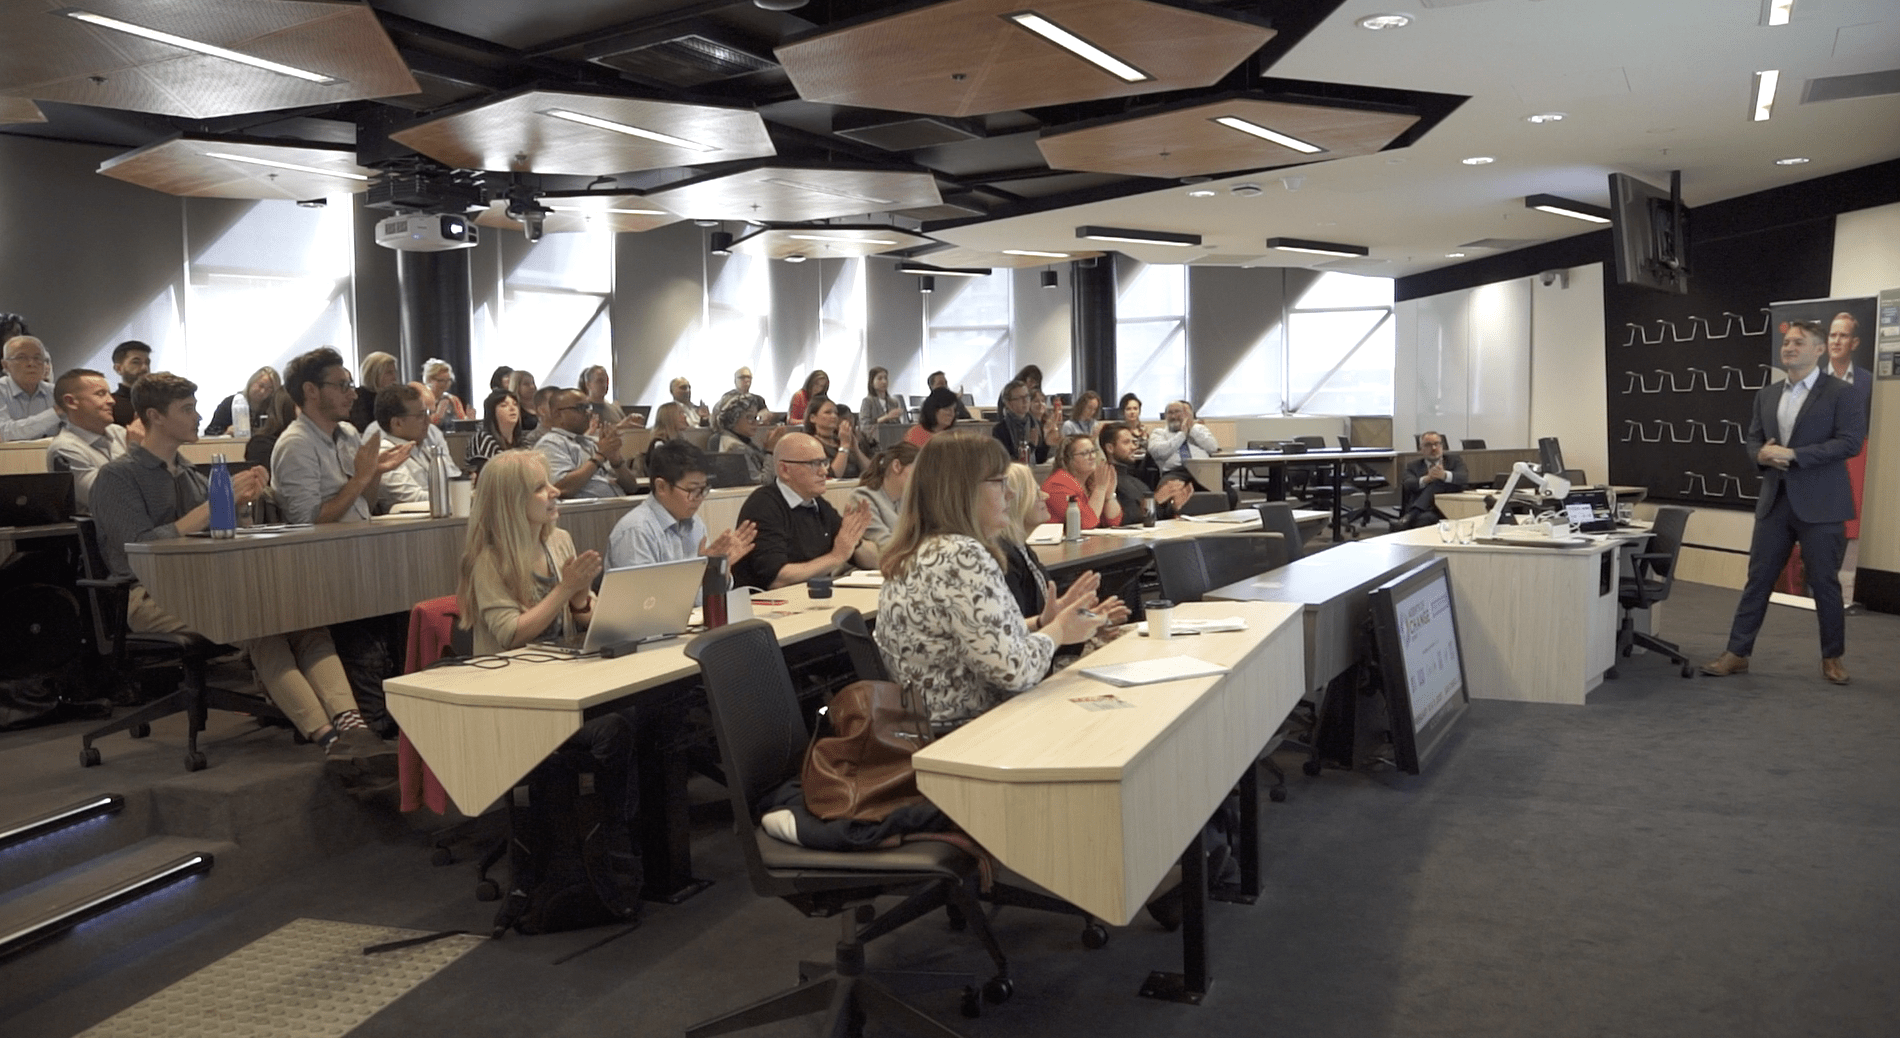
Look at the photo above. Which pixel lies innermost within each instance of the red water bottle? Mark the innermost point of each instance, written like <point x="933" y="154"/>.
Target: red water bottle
<point x="712" y="592"/>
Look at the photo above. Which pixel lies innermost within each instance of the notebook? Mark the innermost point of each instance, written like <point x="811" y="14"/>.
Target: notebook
<point x="1152" y="671"/>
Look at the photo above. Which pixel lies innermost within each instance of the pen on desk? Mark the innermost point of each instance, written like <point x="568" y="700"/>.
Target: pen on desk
<point x="769" y="601"/>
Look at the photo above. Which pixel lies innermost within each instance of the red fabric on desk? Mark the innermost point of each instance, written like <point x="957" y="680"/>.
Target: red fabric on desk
<point x="431" y="626"/>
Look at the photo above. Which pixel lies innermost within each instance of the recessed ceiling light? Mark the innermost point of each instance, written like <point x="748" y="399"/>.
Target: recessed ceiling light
<point x="1203" y="192"/>
<point x="840" y="237"/>
<point x="796" y="257"/>
<point x="203" y="48"/>
<point x="589" y="210"/>
<point x="274" y="164"/>
<point x="908" y="267"/>
<point x="1454" y="255"/>
<point x="632" y="131"/>
<point x="1546" y="117"/>
<point x="1765" y="83"/>
<point x="1234" y="122"/>
<point x="1792" y="160"/>
<point x="1138" y="237"/>
<point x="1317" y="248"/>
<point x="1033" y="252"/>
<point x="1376" y="22"/>
<point x="1567" y="207"/>
<point x="1478" y="160"/>
<point x="1079" y="47"/>
<point x="1777" y="12"/>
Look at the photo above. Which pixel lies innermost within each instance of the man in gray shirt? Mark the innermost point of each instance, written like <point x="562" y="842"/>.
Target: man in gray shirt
<point x="89" y="439"/>
<point x="578" y="465"/>
<point x="322" y="470"/>
<point x="401" y="419"/>
<point x="26" y="397"/>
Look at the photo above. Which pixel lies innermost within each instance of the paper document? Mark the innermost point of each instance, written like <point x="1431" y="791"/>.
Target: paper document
<point x="860" y="578"/>
<point x="1047" y="533"/>
<point x="1238" y="515"/>
<point x="1152" y="671"/>
<point x="1231" y="623"/>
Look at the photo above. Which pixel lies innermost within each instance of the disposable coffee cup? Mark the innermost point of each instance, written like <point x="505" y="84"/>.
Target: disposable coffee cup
<point x="818" y="587"/>
<point x="1160" y="614"/>
<point x="461" y="493"/>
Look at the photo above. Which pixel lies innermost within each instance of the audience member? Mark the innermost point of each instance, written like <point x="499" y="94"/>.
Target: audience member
<point x="595" y="382"/>
<point x="27" y="391"/>
<point x="1080" y="476"/>
<point x="131" y="359"/>
<point x="439" y="376"/>
<point x="379" y="373"/>
<point x="741" y="386"/>
<point x="1427" y="477"/>
<point x="437" y="439"/>
<point x="402" y="420"/>
<point x="879" y="407"/>
<point x="666" y="526"/>
<point x="1085" y="416"/>
<point x="1118" y="447"/>
<point x="947" y="626"/>
<point x="682" y="391"/>
<point x="273" y="418"/>
<point x="670" y="419"/>
<point x="1022" y="434"/>
<point x="1130" y="408"/>
<point x="938" y="380"/>
<point x="523" y="386"/>
<point x="322" y="470"/>
<point x="816" y="384"/>
<point x="882" y="492"/>
<point x="938" y="413"/>
<point x="1172" y="444"/>
<point x="737" y="424"/>
<point x="799" y="534"/>
<point x="499" y="379"/>
<point x="580" y="465"/>
<point x="258" y="391"/>
<point x="1029" y="583"/>
<point x="89" y="438"/>
<point x="1172" y="493"/>
<point x="152" y="494"/>
<point x="500" y="429"/>
<point x="837" y="434"/>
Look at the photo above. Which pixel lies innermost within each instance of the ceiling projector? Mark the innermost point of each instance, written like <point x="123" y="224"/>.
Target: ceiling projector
<point x="426" y="232"/>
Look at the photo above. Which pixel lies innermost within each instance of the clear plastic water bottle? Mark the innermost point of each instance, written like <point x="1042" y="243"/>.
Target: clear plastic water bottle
<point x="240" y="416"/>
<point x="223" y="500"/>
<point x="1072" y="522"/>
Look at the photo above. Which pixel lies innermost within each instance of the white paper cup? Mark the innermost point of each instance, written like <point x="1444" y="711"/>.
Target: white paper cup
<point x="461" y="493"/>
<point x="1160" y="614"/>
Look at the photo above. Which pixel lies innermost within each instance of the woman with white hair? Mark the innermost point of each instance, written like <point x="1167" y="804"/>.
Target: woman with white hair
<point x="439" y="376"/>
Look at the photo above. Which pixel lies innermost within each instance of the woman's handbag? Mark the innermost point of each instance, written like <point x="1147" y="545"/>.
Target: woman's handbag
<point x="862" y="770"/>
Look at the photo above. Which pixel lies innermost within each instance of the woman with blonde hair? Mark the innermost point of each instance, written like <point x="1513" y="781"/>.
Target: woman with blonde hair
<point x="521" y="580"/>
<point x="595" y="382"/>
<point x="947" y="625"/>
<point x="258" y="390"/>
<point x="377" y="374"/>
<point x="1029" y="583"/>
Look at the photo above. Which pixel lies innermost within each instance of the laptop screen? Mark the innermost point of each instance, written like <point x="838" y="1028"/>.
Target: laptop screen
<point x="1591" y="510"/>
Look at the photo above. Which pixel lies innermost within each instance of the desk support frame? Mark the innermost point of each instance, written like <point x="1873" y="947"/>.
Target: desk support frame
<point x="1191" y="985"/>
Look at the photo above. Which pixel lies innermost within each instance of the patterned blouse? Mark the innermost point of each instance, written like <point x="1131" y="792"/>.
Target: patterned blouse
<point x="950" y="628"/>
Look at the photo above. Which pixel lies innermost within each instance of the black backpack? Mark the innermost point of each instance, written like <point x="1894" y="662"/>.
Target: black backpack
<point x="563" y="875"/>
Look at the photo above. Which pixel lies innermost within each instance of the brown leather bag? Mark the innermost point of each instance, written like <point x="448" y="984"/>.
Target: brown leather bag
<point x="862" y="770"/>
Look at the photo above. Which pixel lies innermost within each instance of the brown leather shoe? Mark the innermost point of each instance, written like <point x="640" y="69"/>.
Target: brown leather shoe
<point x="1726" y="664"/>
<point x="1834" y="670"/>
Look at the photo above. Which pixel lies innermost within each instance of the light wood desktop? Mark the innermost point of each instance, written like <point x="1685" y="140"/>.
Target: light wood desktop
<point x="1096" y="806"/>
<point x="1469" y="504"/>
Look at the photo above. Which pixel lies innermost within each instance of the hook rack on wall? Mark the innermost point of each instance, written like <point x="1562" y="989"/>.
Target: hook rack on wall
<point x="1707" y="383"/>
<point x="1637" y="385"/>
<point x="1636" y="330"/>
<point x="1673" y="388"/>
<point x="1673" y="438"/>
<point x="1694" y="480"/>
<point x="1767" y="369"/>
<point x="1738" y="488"/>
<point x="1675" y="333"/>
<point x="1763" y="330"/>
<point x="1635" y="432"/>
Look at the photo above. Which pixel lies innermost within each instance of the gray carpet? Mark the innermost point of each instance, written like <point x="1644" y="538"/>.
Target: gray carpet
<point x="1707" y="857"/>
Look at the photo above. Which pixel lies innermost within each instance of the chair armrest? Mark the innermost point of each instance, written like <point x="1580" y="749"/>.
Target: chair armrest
<point x="110" y="584"/>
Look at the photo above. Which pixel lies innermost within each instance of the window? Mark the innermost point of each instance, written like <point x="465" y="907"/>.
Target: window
<point x="1341" y="347"/>
<point x="1151" y="337"/>
<point x="968" y="335"/>
<point x="554" y="302"/>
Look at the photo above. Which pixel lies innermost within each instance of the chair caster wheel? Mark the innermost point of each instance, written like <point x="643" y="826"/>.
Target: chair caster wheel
<point x="997" y="990"/>
<point x="195" y="761"/>
<point x="1094" y="936"/>
<point x="1611" y="674"/>
<point x="972" y="1006"/>
<point x="1277" y="794"/>
<point x="89" y="757"/>
<point x="1311" y="767"/>
<point x="441" y="856"/>
<point x="1688" y="670"/>
<point x="140" y="731"/>
<point x="955" y="917"/>
<point x="1166" y="910"/>
<point x="487" y="890"/>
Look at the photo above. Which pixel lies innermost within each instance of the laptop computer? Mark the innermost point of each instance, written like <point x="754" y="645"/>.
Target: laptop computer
<point x="729" y="470"/>
<point x="642" y="603"/>
<point x="1591" y="510"/>
<point x="36" y="498"/>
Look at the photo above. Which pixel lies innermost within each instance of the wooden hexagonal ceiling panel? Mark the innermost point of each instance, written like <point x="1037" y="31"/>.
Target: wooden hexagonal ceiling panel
<point x="546" y="131"/>
<point x="790" y="194"/>
<point x="964" y="57"/>
<point x="1189" y="142"/>
<point x="17" y="110"/>
<point x="826" y="241"/>
<point x="210" y="168"/>
<point x="617" y="213"/>
<point x="53" y="56"/>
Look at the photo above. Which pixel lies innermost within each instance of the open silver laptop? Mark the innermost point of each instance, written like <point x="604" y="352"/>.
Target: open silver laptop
<point x="640" y="603"/>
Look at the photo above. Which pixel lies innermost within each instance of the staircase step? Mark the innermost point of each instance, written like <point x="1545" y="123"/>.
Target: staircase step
<point x="72" y="844"/>
<point x="46" y="899"/>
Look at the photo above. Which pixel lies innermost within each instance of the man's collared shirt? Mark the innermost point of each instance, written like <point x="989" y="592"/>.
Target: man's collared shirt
<point x="29" y="416"/>
<point x="406" y="482"/>
<point x="141" y="498"/>
<point x="568" y="451"/>
<point x="308" y="468"/>
<point x="1791" y="400"/>
<point x="650" y="534"/>
<point x="83" y="454"/>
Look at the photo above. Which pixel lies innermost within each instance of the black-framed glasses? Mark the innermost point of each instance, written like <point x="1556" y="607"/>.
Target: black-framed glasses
<point x="693" y="493"/>
<point x="348" y="383"/>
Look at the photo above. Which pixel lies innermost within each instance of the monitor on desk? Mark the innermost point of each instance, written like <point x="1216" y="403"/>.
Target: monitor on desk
<point x="1415" y="630"/>
<point x="36" y="498"/>
<point x="1550" y="456"/>
<point x="1591" y="510"/>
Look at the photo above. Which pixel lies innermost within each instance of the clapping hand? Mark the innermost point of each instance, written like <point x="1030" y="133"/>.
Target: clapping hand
<point x="734" y="544"/>
<point x="610" y="443"/>
<point x="578" y="573"/>
<point x="248" y="485"/>
<point x="856" y="521"/>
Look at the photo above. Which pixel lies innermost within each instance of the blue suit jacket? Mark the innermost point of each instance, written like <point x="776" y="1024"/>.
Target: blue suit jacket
<point x="1828" y="430"/>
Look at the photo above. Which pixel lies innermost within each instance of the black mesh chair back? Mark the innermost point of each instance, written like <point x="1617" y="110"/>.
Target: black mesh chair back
<point x="1317" y="443"/>
<point x="866" y="660"/>
<point x="1576" y="477"/>
<point x="755" y="712"/>
<point x="1653" y="574"/>
<point x="1277" y="517"/>
<point x="1665" y="542"/>
<point x="1471" y="445"/>
<point x="1178" y="562"/>
<point x="1229" y="557"/>
<point x="1205" y="502"/>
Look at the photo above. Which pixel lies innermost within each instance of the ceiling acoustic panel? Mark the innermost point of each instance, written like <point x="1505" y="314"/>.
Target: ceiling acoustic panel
<point x="617" y="213"/>
<point x="826" y="241"/>
<point x="322" y="53"/>
<point x="545" y="131"/>
<point x="203" y="167"/>
<point x="1187" y="142"/>
<point x="16" y="110"/>
<point x="968" y="57"/>
<point x="790" y="194"/>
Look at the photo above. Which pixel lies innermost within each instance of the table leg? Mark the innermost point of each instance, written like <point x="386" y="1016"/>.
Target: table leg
<point x="1191" y="984"/>
<point x="1339" y="475"/>
<point x="665" y="826"/>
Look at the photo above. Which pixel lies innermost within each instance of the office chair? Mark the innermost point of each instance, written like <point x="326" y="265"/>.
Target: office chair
<point x="1470" y="445"/>
<point x="1654" y="574"/>
<point x="1363" y="479"/>
<point x="1576" y="477"/>
<point x="867" y="661"/>
<point x="1262" y="478"/>
<point x="1205" y="502"/>
<point x="1277" y="517"/>
<point x="762" y="740"/>
<point x="135" y="652"/>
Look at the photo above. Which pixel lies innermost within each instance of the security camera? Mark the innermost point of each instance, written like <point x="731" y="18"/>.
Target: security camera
<point x="1560" y="278"/>
<point x="533" y="224"/>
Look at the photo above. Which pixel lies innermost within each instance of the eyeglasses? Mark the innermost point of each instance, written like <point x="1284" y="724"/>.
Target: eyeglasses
<point x="30" y="359"/>
<point x="693" y="493"/>
<point x="582" y="407"/>
<point x="815" y="464"/>
<point x="348" y="383"/>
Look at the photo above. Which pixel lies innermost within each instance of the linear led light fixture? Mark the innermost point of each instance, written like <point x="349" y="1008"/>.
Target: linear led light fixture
<point x="71" y="914"/>
<point x="1317" y="248"/>
<point x="1138" y="237"/>
<point x="292" y="166"/>
<point x="1234" y="122"/>
<point x="1033" y="252"/>
<point x="1765" y="83"/>
<point x="821" y="189"/>
<point x="211" y="49"/>
<point x="60" y="818"/>
<point x="1079" y="47"/>
<point x="1566" y="207"/>
<point x="845" y="238"/>
<point x="930" y="271"/>
<point x="1777" y="12"/>
<point x="590" y="210"/>
<point x="598" y="123"/>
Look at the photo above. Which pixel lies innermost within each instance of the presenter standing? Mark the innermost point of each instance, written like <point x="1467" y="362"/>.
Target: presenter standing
<point x="1801" y="434"/>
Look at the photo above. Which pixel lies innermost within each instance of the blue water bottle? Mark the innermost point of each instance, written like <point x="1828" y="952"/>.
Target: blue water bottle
<point x="223" y="500"/>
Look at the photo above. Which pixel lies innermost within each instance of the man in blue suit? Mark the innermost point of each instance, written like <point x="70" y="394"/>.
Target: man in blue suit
<point x="1843" y="338"/>
<point x="1802" y="432"/>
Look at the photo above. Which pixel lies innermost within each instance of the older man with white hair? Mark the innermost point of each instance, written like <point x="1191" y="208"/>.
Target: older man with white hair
<point x="799" y="535"/>
<point x="26" y="391"/>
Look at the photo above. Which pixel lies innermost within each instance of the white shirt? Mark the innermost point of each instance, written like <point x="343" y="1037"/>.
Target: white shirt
<point x="408" y="481"/>
<point x="82" y="453"/>
<point x="1791" y="400"/>
<point x="24" y="415"/>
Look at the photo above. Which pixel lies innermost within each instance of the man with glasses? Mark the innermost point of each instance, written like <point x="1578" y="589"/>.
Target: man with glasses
<point x="321" y="469"/>
<point x="1025" y="438"/>
<point x="30" y="412"/>
<point x="798" y="534"/>
<point x="667" y="527"/>
<point x="578" y="465"/>
<point x="402" y="418"/>
<point x="1181" y="438"/>
<point x="1427" y="477"/>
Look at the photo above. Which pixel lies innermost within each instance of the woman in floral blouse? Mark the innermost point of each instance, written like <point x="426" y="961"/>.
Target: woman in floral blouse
<point x="947" y="624"/>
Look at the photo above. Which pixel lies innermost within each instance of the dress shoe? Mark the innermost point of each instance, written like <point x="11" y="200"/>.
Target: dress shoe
<point x="1726" y="664"/>
<point x="1834" y="670"/>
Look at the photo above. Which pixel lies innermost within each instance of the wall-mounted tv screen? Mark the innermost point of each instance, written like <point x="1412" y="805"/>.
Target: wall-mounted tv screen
<point x="1415" y="630"/>
<point x="1649" y="233"/>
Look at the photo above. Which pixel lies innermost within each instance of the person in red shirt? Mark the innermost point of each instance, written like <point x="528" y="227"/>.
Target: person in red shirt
<point x="1081" y="475"/>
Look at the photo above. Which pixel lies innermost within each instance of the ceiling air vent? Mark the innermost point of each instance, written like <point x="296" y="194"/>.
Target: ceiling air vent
<point x="1861" y="84"/>
<point x="689" y="60"/>
<point x="893" y="132"/>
